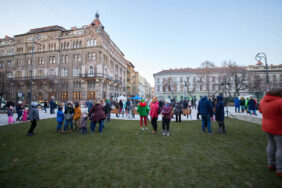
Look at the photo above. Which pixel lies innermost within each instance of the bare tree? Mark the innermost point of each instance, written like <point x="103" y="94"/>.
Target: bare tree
<point x="170" y="86"/>
<point x="205" y="73"/>
<point x="236" y="77"/>
<point x="256" y="86"/>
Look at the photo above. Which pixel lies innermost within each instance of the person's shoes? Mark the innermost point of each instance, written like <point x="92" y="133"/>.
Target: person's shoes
<point x="210" y="133"/>
<point x="163" y="133"/>
<point x="63" y="131"/>
<point x="279" y="174"/>
<point x="219" y="130"/>
<point x="70" y="130"/>
<point x="271" y="167"/>
<point x="143" y="129"/>
<point x="29" y="134"/>
<point x="167" y="134"/>
<point x="146" y="128"/>
<point x="154" y="132"/>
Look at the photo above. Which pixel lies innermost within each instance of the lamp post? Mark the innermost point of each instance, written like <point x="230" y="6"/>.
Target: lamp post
<point x="259" y="57"/>
<point x="36" y="37"/>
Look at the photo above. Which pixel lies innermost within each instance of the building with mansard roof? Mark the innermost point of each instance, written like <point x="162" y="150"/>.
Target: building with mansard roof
<point x="71" y="65"/>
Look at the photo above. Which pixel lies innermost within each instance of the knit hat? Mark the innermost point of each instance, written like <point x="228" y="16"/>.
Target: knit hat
<point x="167" y="100"/>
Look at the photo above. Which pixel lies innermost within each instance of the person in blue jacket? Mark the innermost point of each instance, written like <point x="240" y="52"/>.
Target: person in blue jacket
<point x="206" y="111"/>
<point x="252" y="106"/>
<point x="237" y="105"/>
<point x="60" y="118"/>
<point x="219" y="114"/>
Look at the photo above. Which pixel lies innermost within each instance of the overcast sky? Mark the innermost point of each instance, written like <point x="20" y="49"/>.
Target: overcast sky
<point x="163" y="34"/>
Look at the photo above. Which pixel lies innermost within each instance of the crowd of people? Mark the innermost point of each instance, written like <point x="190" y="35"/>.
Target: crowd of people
<point x="249" y="105"/>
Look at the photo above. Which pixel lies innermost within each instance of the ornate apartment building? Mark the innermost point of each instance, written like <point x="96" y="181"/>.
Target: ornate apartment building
<point x="188" y="82"/>
<point x="76" y="64"/>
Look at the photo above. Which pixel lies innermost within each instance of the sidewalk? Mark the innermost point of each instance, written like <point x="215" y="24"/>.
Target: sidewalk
<point x="231" y="112"/>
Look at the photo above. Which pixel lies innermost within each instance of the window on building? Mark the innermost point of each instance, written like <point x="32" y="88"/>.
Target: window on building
<point x="64" y="96"/>
<point x="28" y="73"/>
<point x="41" y="60"/>
<point x="52" y="59"/>
<point x="19" y="74"/>
<point x="52" y="72"/>
<point x="91" y="70"/>
<point x="39" y="72"/>
<point x="274" y="78"/>
<point x="158" y="88"/>
<point x="10" y="52"/>
<point x="1" y="64"/>
<point x="91" y="95"/>
<point x="76" y="71"/>
<point x="91" y="56"/>
<point x="88" y="43"/>
<point x="41" y="48"/>
<point x="181" y="79"/>
<point x="64" y="72"/>
<point x="76" y="96"/>
<point x="158" y="80"/>
<point x="10" y="63"/>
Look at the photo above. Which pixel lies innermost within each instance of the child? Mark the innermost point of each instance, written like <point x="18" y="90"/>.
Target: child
<point x="69" y="112"/>
<point x="77" y="115"/>
<point x="60" y="119"/>
<point x="143" y="110"/>
<point x="10" y="115"/>
<point x="25" y="114"/>
<point x="83" y="123"/>
<point x="33" y="116"/>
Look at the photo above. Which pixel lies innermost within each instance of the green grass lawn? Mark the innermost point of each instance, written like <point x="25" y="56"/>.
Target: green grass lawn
<point x="125" y="156"/>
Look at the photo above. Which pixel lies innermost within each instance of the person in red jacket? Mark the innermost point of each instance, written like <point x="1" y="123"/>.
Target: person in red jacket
<point x="154" y="114"/>
<point x="271" y="109"/>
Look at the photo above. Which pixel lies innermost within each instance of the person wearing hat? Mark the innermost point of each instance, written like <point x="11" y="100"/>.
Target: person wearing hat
<point x="205" y="109"/>
<point x="167" y="115"/>
<point x="33" y="117"/>
<point x="60" y="119"/>
<point x="19" y="110"/>
<point x="143" y="110"/>
<point x="97" y="114"/>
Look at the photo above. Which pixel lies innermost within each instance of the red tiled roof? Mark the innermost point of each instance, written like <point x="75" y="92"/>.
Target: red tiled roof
<point x="190" y="70"/>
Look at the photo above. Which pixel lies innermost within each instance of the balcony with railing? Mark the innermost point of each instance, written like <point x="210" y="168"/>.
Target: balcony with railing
<point x="96" y="76"/>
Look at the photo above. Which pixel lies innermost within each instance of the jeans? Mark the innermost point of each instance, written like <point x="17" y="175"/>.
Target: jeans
<point x="45" y="109"/>
<point x="83" y="130"/>
<point x="154" y="123"/>
<point x="237" y="109"/>
<point x="33" y="125"/>
<point x="242" y="108"/>
<point x="221" y="126"/>
<point x="254" y="112"/>
<point x="109" y="116"/>
<point x="59" y="126"/>
<point x="67" y="122"/>
<point x="274" y="151"/>
<point x="178" y="117"/>
<point x="206" y="119"/>
<point x="93" y="126"/>
<point x="165" y="124"/>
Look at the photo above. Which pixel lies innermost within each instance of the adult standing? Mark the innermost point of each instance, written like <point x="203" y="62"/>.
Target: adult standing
<point x="219" y="114"/>
<point x="154" y="114"/>
<point x="252" y="106"/>
<point x="271" y="109"/>
<point x="69" y="113"/>
<point x="33" y="117"/>
<point x="117" y="108"/>
<point x="206" y="111"/>
<point x="167" y="115"/>
<point x="19" y="110"/>
<point x="52" y="106"/>
<point x="178" y="111"/>
<point x="128" y="107"/>
<point x="89" y="105"/>
<point x="45" y="106"/>
<point x="96" y="114"/>
<point x="237" y="104"/>
<point x="120" y="106"/>
<point x="185" y="104"/>
<point x="108" y="108"/>
<point x="242" y="104"/>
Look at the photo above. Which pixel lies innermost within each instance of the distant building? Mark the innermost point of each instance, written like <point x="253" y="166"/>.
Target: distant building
<point x="189" y="82"/>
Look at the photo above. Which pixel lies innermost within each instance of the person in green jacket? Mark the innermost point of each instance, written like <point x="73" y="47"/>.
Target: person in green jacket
<point x="143" y="110"/>
<point x="246" y="105"/>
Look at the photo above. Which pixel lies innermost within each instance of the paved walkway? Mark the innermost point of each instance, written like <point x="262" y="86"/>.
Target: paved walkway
<point x="231" y="112"/>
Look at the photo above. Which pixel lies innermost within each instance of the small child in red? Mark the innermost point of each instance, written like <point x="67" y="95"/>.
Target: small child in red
<point x="25" y="114"/>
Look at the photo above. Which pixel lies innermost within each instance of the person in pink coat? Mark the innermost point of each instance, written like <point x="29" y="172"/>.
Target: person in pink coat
<point x="25" y="115"/>
<point x="154" y="114"/>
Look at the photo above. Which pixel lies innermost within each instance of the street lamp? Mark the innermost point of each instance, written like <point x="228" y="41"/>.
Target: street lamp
<point x="258" y="58"/>
<point x="35" y="37"/>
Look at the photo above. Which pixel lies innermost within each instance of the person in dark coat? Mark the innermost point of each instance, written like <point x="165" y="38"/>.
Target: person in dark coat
<point x="178" y="111"/>
<point x="108" y="108"/>
<point x="185" y="104"/>
<point x="69" y="113"/>
<point x="96" y="114"/>
<point x="242" y="104"/>
<point x="219" y="114"/>
<point x="52" y="106"/>
<point x="252" y="106"/>
<point x="120" y="106"/>
<point x="33" y="117"/>
<point x="206" y="111"/>
<point x="19" y="110"/>
<point x="45" y="106"/>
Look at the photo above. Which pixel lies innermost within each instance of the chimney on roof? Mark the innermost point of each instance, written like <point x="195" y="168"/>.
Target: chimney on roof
<point x="72" y="28"/>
